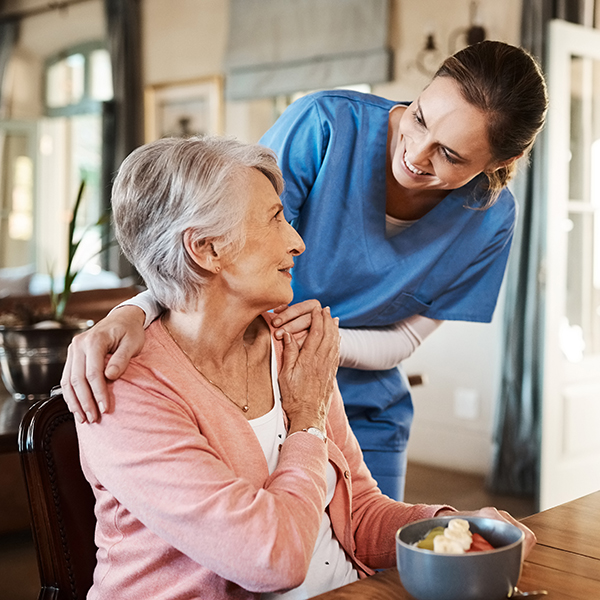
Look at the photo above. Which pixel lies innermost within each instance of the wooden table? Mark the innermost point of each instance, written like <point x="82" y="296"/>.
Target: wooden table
<point x="565" y="561"/>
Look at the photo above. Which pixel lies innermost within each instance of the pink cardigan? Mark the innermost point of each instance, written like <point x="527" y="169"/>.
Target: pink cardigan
<point x="186" y="507"/>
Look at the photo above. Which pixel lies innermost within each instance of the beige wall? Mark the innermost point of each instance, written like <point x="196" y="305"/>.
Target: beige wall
<point x="183" y="39"/>
<point x="186" y="39"/>
<point x="411" y="19"/>
<point x="41" y="37"/>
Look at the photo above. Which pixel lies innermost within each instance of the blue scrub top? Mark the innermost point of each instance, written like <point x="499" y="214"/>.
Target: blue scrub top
<point x="331" y="148"/>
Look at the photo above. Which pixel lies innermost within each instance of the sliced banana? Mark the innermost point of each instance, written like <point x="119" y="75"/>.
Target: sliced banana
<point x="462" y="538"/>
<point x="458" y="525"/>
<point x="446" y="545"/>
<point x="458" y="530"/>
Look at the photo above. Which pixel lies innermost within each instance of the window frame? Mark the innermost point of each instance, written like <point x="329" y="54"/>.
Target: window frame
<point x="87" y="105"/>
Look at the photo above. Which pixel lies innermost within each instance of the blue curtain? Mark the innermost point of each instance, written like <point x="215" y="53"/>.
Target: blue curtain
<point x="517" y="431"/>
<point x="123" y="126"/>
<point x="123" y="26"/>
<point x="8" y="38"/>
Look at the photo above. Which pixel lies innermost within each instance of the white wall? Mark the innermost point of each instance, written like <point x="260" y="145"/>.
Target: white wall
<point x="186" y="39"/>
<point x="454" y="410"/>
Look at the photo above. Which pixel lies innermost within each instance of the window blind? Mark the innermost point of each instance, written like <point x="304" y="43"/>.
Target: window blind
<point x="279" y="47"/>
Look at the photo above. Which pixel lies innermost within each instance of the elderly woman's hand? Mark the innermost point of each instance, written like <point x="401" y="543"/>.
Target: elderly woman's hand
<point x="294" y="319"/>
<point x="83" y="380"/>
<point x="308" y="373"/>
<point x="501" y="515"/>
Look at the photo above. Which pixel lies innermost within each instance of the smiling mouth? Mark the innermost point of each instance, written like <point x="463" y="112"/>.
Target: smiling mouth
<point x="412" y="167"/>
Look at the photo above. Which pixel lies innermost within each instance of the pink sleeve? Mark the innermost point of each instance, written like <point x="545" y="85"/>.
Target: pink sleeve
<point x="375" y="517"/>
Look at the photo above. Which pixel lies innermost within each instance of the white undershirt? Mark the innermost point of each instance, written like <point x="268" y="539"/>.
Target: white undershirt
<point x="378" y="348"/>
<point x="329" y="566"/>
<point x="395" y="226"/>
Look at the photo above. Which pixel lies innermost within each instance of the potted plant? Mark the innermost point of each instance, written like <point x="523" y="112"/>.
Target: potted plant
<point x="34" y="337"/>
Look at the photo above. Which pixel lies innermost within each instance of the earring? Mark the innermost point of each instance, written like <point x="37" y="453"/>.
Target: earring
<point x="217" y="269"/>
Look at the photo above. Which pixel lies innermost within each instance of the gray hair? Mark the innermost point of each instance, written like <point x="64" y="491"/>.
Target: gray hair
<point x="173" y="185"/>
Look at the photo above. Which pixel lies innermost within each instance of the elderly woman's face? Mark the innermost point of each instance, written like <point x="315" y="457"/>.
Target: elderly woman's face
<point x="260" y="273"/>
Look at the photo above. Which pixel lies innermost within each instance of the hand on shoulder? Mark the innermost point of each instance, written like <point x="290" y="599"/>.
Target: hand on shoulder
<point x="83" y="381"/>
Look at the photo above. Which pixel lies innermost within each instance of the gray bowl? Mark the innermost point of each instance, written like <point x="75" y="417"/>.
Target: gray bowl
<point x="489" y="575"/>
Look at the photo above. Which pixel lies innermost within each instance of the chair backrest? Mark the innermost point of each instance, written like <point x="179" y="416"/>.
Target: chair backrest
<point x="61" y="501"/>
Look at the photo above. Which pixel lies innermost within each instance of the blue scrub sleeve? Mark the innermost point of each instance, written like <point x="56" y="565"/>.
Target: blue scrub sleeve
<point x="299" y="138"/>
<point x="474" y="294"/>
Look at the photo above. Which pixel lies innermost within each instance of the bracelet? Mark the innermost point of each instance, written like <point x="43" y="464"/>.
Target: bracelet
<point x="317" y="433"/>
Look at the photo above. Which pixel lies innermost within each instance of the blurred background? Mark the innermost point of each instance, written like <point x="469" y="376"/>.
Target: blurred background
<point x="515" y="403"/>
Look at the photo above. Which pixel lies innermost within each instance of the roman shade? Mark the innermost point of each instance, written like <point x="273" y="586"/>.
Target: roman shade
<point x="278" y="47"/>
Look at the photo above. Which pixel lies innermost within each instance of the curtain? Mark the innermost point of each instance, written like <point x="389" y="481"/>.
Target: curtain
<point x="278" y="47"/>
<point x="517" y="430"/>
<point x="8" y="38"/>
<point x="124" y="44"/>
<point x="123" y="117"/>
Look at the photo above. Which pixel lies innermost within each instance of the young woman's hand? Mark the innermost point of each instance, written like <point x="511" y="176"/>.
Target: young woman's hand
<point x="295" y="319"/>
<point x="83" y="380"/>
<point x="307" y="376"/>
<point x="501" y="515"/>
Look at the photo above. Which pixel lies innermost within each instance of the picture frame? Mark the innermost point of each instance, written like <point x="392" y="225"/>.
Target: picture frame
<point x="184" y="108"/>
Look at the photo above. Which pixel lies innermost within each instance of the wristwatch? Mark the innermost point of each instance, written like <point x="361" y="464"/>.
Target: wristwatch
<point x="316" y="432"/>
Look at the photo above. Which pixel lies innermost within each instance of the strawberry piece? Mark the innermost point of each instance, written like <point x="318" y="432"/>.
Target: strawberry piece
<point x="479" y="544"/>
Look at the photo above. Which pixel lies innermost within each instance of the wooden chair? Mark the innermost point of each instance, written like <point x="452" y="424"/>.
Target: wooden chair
<point x="61" y="501"/>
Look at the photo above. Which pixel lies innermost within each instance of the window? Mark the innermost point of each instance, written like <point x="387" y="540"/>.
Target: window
<point x="78" y="82"/>
<point x="17" y="193"/>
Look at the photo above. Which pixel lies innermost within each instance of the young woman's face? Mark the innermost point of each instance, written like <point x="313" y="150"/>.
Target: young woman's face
<point x="442" y="142"/>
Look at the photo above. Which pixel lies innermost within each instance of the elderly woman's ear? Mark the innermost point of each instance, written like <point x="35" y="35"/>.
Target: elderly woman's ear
<point x="202" y="252"/>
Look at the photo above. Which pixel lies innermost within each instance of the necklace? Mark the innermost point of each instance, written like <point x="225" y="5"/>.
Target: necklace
<point x="244" y="408"/>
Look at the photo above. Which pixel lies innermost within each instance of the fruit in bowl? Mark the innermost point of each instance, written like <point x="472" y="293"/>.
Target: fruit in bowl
<point x="461" y="574"/>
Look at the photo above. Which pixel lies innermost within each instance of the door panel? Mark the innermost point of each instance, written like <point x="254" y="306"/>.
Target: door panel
<point x="570" y="458"/>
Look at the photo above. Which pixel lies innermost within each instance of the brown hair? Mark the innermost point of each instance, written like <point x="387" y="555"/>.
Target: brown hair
<point x="507" y="84"/>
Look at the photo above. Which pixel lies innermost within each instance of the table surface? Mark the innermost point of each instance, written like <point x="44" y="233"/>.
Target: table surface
<point x="565" y="561"/>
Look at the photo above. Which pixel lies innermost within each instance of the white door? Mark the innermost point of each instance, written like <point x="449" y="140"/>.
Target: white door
<point x="570" y="457"/>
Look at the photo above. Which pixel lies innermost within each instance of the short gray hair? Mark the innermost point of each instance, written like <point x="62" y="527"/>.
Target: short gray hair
<point x="172" y="185"/>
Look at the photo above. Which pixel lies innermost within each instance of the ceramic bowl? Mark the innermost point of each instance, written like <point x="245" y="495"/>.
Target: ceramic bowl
<point x="489" y="575"/>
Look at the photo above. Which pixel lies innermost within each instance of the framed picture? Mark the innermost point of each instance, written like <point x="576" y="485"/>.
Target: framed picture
<point x="184" y="108"/>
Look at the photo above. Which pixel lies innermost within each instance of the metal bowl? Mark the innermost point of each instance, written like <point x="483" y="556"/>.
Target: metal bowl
<point x="489" y="575"/>
<point x="32" y="359"/>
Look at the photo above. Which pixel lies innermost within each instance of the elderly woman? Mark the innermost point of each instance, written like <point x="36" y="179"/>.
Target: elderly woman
<point x="227" y="467"/>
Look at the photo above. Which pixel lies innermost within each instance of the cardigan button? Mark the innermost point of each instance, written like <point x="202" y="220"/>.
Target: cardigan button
<point x="347" y="474"/>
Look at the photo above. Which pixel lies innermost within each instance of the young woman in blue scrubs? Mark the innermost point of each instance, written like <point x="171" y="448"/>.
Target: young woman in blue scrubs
<point x="407" y="223"/>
